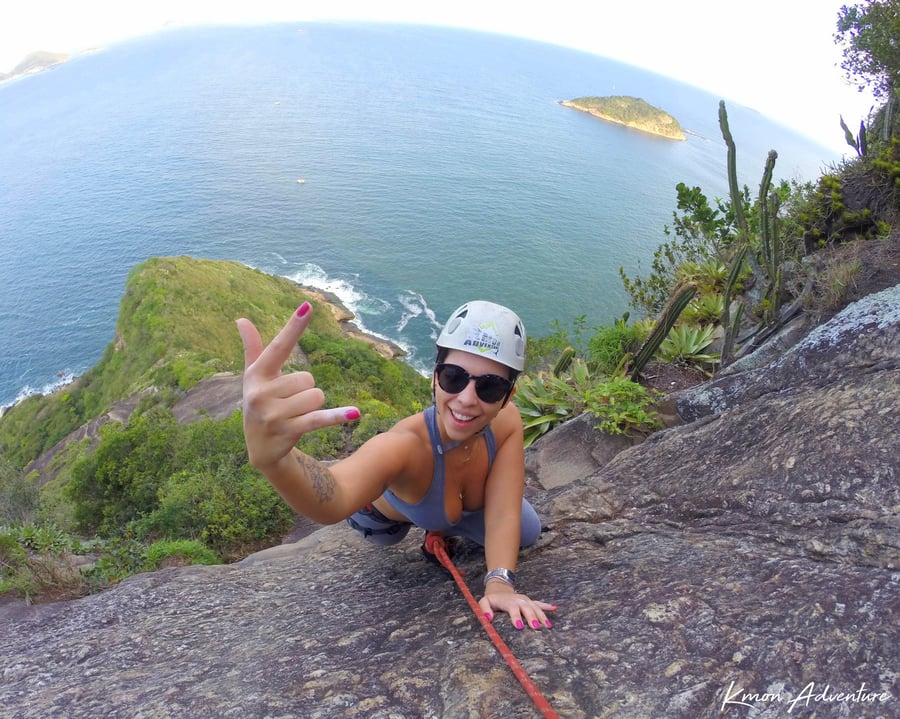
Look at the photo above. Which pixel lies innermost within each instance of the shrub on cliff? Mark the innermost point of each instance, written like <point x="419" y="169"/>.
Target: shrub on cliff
<point x="119" y="481"/>
<point x="176" y="327"/>
<point x="156" y="479"/>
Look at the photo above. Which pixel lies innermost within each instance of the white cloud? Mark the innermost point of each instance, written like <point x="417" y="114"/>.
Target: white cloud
<point x="776" y="56"/>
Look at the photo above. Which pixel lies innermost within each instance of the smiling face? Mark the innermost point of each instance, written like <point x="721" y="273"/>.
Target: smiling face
<point x="464" y="413"/>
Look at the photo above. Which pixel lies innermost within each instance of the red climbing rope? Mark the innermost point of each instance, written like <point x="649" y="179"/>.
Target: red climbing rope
<point x="435" y="544"/>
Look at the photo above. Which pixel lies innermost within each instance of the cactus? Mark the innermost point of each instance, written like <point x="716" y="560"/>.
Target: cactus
<point x="737" y="204"/>
<point x="734" y="190"/>
<point x="731" y="328"/>
<point x="765" y="226"/>
<point x="564" y="361"/>
<point x="679" y="299"/>
<point x="770" y="237"/>
<point x="777" y="257"/>
<point x="771" y="250"/>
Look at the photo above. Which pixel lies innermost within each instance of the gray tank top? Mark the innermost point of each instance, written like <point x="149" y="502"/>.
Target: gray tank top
<point x="430" y="513"/>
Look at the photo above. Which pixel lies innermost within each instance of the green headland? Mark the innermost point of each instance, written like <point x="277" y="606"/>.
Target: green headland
<point x="632" y="112"/>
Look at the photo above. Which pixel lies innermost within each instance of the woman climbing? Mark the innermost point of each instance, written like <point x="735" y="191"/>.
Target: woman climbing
<point x="456" y="468"/>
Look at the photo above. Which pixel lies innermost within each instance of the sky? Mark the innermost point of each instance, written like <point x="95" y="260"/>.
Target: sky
<point x="775" y="56"/>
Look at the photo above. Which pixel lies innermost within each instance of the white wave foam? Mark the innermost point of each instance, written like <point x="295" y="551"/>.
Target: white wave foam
<point x="412" y="308"/>
<point x="416" y="310"/>
<point x="415" y="305"/>
<point x="311" y="275"/>
<point x="363" y="305"/>
<point x="436" y="325"/>
<point x="63" y="378"/>
<point x="356" y="301"/>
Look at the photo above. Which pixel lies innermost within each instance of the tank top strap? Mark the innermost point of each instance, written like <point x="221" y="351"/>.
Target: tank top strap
<point x="491" y="441"/>
<point x="434" y="434"/>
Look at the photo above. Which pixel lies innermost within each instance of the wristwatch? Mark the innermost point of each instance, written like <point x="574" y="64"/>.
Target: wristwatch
<point x="504" y="575"/>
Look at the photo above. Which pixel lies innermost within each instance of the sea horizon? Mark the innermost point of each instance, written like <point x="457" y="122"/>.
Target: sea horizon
<point x="403" y="170"/>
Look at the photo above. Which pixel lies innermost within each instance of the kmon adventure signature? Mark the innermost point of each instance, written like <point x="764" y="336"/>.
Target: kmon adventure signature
<point x="808" y="696"/>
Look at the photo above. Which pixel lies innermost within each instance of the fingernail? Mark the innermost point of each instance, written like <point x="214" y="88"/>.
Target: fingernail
<point x="488" y="616"/>
<point x="519" y="624"/>
<point x="548" y="624"/>
<point x="536" y="624"/>
<point x="352" y="413"/>
<point x="303" y="309"/>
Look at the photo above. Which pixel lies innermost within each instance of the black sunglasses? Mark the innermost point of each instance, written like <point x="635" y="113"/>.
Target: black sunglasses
<point x="490" y="388"/>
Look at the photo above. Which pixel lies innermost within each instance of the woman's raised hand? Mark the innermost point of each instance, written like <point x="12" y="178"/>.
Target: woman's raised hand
<point x="280" y="408"/>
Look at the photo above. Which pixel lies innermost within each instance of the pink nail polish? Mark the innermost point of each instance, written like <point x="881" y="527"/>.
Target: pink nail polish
<point x="488" y="616"/>
<point x="303" y="309"/>
<point x="352" y="413"/>
<point x="519" y="624"/>
<point x="536" y="624"/>
<point x="548" y="624"/>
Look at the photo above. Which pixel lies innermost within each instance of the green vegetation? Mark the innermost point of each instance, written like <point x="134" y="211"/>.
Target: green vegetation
<point x="156" y="478"/>
<point x="721" y="281"/>
<point x="145" y="486"/>
<point x="150" y="492"/>
<point x="618" y="405"/>
<point x="44" y="563"/>
<point x="176" y="327"/>
<point x="867" y="34"/>
<point x="686" y="344"/>
<point x="630" y="111"/>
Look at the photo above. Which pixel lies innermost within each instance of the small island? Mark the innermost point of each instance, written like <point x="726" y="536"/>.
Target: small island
<point x="35" y="62"/>
<point x="629" y="111"/>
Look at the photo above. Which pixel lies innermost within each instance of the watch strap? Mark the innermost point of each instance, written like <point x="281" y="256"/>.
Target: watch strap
<point x="503" y="574"/>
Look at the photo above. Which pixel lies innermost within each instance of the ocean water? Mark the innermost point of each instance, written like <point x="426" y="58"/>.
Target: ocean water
<point x="437" y="166"/>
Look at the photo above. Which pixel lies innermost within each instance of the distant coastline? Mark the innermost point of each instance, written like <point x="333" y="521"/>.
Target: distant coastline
<point x="344" y="317"/>
<point x="354" y="234"/>
<point x="34" y="63"/>
<point x="632" y="112"/>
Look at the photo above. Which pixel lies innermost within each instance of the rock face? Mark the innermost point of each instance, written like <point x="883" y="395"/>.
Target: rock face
<point x="743" y="564"/>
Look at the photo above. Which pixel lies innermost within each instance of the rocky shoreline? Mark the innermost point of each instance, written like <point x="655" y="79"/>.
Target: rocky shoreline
<point x="345" y="319"/>
<point x="349" y="328"/>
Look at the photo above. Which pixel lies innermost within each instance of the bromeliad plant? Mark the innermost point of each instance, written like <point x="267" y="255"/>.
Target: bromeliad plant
<point x="709" y="275"/>
<point x="619" y="405"/>
<point x="686" y="345"/>
<point x="704" y="310"/>
<point x="540" y="405"/>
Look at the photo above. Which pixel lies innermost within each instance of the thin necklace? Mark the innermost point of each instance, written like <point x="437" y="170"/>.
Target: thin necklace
<point x="444" y="448"/>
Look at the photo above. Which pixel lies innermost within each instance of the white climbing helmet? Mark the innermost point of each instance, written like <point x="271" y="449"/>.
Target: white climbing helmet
<point x="488" y="330"/>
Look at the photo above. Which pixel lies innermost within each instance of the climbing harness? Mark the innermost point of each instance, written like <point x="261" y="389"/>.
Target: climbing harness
<point x="435" y="544"/>
<point x="389" y="526"/>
